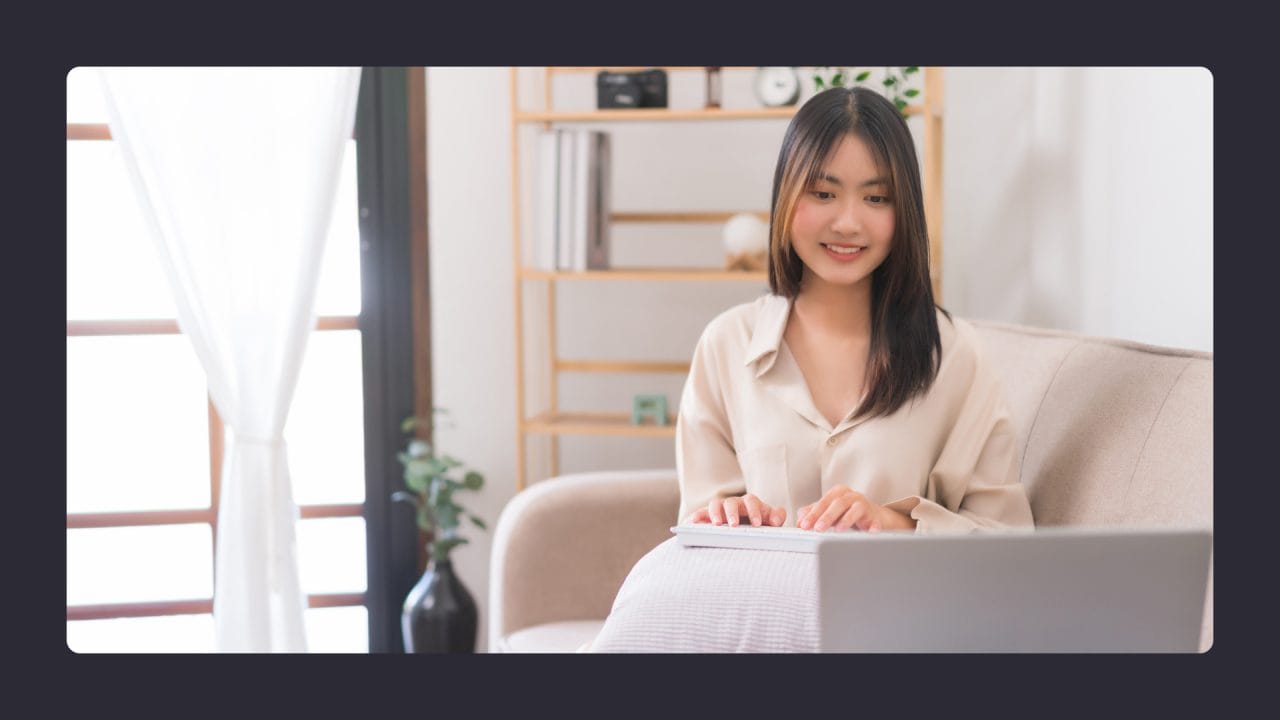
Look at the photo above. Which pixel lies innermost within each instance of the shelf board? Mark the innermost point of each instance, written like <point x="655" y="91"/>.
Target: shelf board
<point x="621" y="366"/>
<point x="650" y="275"/>
<point x="654" y="114"/>
<point x="585" y="423"/>
<point x="669" y="68"/>
<point x="665" y="114"/>
<point x="684" y="216"/>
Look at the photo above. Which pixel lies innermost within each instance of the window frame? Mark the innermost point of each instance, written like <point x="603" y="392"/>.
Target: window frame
<point x="395" y="321"/>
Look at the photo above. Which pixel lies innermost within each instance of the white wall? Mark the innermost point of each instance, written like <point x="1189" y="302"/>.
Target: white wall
<point x="1082" y="199"/>
<point x="1074" y="198"/>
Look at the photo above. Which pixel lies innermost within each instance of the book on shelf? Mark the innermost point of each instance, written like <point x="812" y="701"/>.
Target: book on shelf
<point x="572" y="207"/>
<point x="597" y="253"/>
<point x="564" y="195"/>
<point x="581" y="205"/>
<point x="545" y="200"/>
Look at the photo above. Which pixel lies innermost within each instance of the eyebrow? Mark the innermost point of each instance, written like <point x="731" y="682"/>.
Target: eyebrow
<point x="872" y="182"/>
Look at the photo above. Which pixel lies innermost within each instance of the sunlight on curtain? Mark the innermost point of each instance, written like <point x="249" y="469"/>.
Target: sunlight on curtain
<point x="236" y="170"/>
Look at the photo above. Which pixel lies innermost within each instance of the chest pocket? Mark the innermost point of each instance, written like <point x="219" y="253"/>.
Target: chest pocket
<point x="764" y="469"/>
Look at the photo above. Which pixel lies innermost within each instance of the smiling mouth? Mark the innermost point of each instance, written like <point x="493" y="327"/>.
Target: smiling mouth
<point x="844" y="249"/>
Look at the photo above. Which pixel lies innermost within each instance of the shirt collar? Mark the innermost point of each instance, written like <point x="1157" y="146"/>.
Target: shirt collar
<point x="766" y="336"/>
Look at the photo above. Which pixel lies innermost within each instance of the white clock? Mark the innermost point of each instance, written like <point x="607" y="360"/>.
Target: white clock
<point x="777" y="86"/>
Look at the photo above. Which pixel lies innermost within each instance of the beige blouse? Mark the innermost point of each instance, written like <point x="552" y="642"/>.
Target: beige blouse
<point x="747" y="423"/>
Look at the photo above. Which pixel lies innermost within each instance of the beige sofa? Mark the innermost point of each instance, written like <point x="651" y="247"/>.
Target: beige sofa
<point x="1112" y="433"/>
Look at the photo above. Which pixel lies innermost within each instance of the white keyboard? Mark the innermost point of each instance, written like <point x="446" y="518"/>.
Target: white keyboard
<point x="765" y="537"/>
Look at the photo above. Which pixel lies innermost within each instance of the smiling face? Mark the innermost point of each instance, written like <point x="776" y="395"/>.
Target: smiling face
<point x="843" y="224"/>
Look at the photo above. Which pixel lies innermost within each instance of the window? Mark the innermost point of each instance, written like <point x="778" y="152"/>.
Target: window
<point x="144" y="443"/>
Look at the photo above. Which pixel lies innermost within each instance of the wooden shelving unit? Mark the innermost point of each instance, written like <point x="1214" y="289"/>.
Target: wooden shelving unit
<point x="647" y="275"/>
<point x="556" y="423"/>
<point x="664" y="115"/>
<point x="581" y="423"/>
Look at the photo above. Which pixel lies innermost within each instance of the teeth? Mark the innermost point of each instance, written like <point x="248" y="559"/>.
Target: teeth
<point x="843" y="251"/>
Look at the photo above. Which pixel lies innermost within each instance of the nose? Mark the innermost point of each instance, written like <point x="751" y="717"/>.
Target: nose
<point x="846" y="222"/>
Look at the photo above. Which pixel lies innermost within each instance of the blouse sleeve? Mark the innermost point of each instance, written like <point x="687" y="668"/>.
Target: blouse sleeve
<point x="706" y="464"/>
<point x="974" y="484"/>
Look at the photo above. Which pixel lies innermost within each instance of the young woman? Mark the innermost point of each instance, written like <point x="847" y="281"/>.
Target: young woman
<point x="845" y="399"/>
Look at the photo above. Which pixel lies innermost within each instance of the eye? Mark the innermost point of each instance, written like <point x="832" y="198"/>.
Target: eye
<point x="878" y="199"/>
<point x="822" y="194"/>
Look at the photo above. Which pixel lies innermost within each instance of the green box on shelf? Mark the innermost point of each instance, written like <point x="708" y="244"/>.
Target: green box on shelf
<point x="652" y="406"/>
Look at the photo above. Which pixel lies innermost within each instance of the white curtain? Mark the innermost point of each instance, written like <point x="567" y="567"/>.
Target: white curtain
<point x="236" y="170"/>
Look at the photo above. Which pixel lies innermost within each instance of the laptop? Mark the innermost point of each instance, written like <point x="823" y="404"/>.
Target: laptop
<point x="1056" y="589"/>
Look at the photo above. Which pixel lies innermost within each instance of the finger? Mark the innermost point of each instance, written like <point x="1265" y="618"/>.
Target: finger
<point x="699" y="516"/>
<point x="852" y="516"/>
<point x="732" y="510"/>
<point x="754" y="508"/>
<point x="715" y="513"/>
<point x="801" y="512"/>
<point x="777" y="516"/>
<point x="812" y="513"/>
<point x="868" y="519"/>
<point x="834" y="510"/>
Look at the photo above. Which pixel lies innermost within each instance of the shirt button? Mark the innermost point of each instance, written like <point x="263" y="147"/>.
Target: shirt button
<point x="831" y="441"/>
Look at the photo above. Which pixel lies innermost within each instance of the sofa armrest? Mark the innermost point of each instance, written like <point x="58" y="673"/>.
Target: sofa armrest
<point x="563" y="546"/>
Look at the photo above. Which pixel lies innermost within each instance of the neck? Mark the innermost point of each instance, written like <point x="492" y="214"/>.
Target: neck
<point x="838" y="311"/>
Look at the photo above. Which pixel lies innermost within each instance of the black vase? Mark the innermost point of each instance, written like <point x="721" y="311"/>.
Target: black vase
<point x="439" y="614"/>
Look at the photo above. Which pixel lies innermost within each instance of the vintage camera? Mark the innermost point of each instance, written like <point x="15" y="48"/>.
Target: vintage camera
<point x="643" y="89"/>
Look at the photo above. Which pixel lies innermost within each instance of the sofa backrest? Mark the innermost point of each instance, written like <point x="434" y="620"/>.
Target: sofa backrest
<point x="1112" y="432"/>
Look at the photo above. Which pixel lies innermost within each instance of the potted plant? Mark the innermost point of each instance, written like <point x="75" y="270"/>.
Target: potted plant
<point x="439" y="613"/>
<point x="895" y="82"/>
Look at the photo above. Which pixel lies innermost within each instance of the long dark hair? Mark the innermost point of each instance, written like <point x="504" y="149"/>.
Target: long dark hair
<point x="906" y="349"/>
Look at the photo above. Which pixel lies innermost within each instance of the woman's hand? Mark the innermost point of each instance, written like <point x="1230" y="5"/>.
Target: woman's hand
<point x="843" y="508"/>
<point x="732" y="510"/>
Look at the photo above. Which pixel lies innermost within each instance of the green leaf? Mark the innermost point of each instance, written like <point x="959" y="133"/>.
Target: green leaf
<point x="900" y="103"/>
<point x="838" y="79"/>
<point x="863" y="75"/>
<point x="817" y="82"/>
<point x="912" y="69"/>
<point x="912" y="92"/>
<point x="416" y="482"/>
<point x="424" y="519"/>
<point x="408" y="424"/>
<point x="440" y="548"/>
<point x="427" y="467"/>
<point x="446" y="517"/>
<point x="473" y="480"/>
<point x="450" y="462"/>
<point x="477" y="522"/>
<point x="889" y="81"/>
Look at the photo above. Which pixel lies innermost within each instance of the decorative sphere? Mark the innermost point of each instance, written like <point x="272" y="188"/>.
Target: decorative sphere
<point x="746" y="233"/>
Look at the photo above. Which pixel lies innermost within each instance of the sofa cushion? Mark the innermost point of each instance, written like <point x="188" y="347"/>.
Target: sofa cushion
<point x="555" y="637"/>
<point x="1113" y="432"/>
